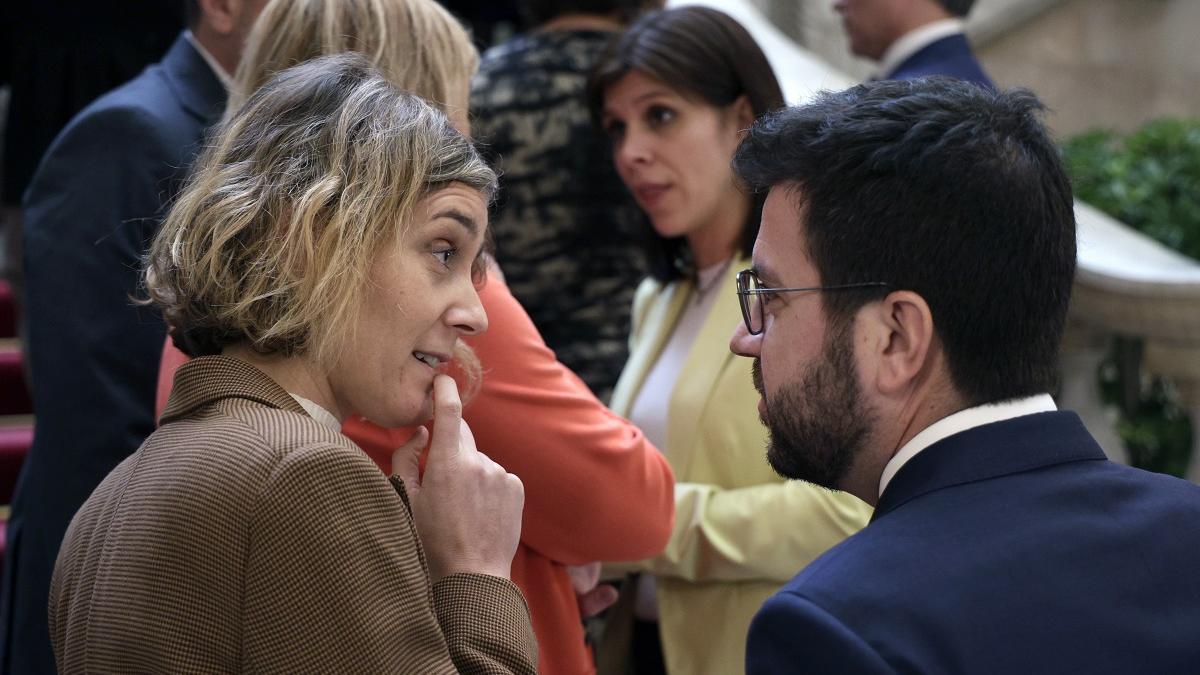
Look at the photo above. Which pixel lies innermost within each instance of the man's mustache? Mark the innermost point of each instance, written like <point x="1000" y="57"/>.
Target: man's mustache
<point x="756" y="373"/>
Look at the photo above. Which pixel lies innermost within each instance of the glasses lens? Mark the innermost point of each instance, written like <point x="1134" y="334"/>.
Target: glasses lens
<point x="751" y="302"/>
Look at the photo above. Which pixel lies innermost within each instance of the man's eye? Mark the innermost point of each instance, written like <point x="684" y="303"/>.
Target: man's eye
<point x="767" y="297"/>
<point x="445" y="255"/>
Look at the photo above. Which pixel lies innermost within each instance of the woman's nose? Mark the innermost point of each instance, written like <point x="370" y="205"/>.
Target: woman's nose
<point x="468" y="316"/>
<point x="635" y="149"/>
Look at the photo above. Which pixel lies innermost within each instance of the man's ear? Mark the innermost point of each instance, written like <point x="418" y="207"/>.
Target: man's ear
<point x="221" y="16"/>
<point x="900" y="335"/>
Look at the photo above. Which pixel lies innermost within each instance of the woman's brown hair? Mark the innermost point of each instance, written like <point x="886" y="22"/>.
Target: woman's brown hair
<point x="705" y="55"/>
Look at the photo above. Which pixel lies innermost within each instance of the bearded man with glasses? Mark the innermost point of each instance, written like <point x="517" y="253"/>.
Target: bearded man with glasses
<point x="908" y="293"/>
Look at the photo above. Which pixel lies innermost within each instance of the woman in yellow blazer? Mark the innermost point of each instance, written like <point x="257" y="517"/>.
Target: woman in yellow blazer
<point x="674" y="95"/>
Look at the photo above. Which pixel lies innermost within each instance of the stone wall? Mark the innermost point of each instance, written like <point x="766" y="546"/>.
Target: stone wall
<point x="1105" y="63"/>
<point x="1096" y="63"/>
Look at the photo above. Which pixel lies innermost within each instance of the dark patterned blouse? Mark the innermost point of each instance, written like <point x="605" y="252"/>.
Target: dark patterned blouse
<point x="565" y="227"/>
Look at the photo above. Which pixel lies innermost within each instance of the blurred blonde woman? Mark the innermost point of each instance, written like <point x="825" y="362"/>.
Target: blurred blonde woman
<point x="333" y="214"/>
<point x="416" y="44"/>
<point x="595" y="489"/>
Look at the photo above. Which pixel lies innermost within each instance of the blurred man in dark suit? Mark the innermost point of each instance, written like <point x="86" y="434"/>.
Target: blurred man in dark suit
<point x="90" y="211"/>
<point x="912" y="38"/>
<point x="907" y="300"/>
<point x="60" y="55"/>
<point x="57" y="56"/>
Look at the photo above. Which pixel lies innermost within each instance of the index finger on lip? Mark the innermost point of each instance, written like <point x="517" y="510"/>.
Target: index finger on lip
<point x="447" y="415"/>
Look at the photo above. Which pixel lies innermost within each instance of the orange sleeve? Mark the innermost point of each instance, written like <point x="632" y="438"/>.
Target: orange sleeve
<point x="595" y="488"/>
<point x="172" y="358"/>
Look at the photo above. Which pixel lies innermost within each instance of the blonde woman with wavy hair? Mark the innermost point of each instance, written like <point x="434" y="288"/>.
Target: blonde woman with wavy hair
<point x="319" y="261"/>
<point x="595" y="489"/>
<point x="416" y="44"/>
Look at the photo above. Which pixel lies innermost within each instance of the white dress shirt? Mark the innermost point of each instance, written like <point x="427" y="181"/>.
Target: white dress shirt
<point x="318" y="413"/>
<point x="225" y="78"/>
<point x="959" y="422"/>
<point x="914" y="41"/>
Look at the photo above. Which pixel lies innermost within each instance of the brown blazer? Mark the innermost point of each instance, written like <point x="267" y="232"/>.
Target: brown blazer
<point x="245" y="536"/>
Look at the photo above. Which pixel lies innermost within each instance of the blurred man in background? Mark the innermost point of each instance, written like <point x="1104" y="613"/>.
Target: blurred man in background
<point x="91" y="209"/>
<point x="57" y="56"/>
<point x="912" y="38"/>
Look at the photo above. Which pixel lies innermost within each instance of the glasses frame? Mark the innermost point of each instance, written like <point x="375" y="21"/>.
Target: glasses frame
<point x="744" y="292"/>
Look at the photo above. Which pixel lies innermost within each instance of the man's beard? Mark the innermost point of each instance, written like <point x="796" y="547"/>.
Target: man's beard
<point x="818" y="424"/>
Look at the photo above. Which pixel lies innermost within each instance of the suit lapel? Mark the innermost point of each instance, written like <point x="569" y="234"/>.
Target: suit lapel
<point x="938" y="51"/>
<point x="1012" y="446"/>
<point x="193" y="81"/>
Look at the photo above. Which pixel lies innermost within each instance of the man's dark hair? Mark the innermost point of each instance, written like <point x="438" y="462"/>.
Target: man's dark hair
<point x="705" y="55"/>
<point x="536" y="12"/>
<point x="957" y="7"/>
<point x="191" y="12"/>
<point x="943" y="188"/>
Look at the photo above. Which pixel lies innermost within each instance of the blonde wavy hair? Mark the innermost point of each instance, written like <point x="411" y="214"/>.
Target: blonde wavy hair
<point x="272" y="240"/>
<point x="416" y="44"/>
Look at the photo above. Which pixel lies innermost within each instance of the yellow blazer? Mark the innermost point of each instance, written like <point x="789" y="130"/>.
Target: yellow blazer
<point x="740" y="530"/>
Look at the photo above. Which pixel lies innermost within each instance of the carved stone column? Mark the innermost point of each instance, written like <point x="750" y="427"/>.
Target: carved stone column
<point x="1181" y="364"/>
<point x="1084" y="347"/>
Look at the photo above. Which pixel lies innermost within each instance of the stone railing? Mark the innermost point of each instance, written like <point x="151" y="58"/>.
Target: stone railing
<point x="1126" y="284"/>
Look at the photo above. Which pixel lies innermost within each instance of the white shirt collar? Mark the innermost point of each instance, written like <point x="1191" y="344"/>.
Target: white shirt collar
<point x="225" y="78"/>
<point x="914" y="41"/>
<point x="315" y="411"/>
<point x="959" y="422"/>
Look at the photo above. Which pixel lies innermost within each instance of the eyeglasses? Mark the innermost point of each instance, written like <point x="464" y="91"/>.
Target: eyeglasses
<point x="750" y="294"/>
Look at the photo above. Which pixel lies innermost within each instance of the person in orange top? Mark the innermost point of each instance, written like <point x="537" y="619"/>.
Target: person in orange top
<point x="595" y="488"/>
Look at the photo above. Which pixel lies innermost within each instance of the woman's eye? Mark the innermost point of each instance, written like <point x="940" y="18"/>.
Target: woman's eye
<point x="445" y="255"/>
<point x="659" y="115"/>
<point x="614" y="129"/>
<point x="479" y="270"/>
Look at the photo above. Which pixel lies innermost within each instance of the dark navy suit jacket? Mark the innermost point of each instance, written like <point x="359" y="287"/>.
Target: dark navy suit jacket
<point x="95" y="202"/>
<point x="1013" y="547"/>
<point x="949" y="56"/>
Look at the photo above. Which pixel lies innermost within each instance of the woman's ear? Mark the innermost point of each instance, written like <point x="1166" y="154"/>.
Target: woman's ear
<point x="742" y="114"/>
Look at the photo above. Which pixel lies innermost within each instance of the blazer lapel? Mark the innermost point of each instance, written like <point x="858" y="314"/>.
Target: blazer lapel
<point x="654" y="329"/>
<point x="989" y="451"/>
<point x="707" y="359"/>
